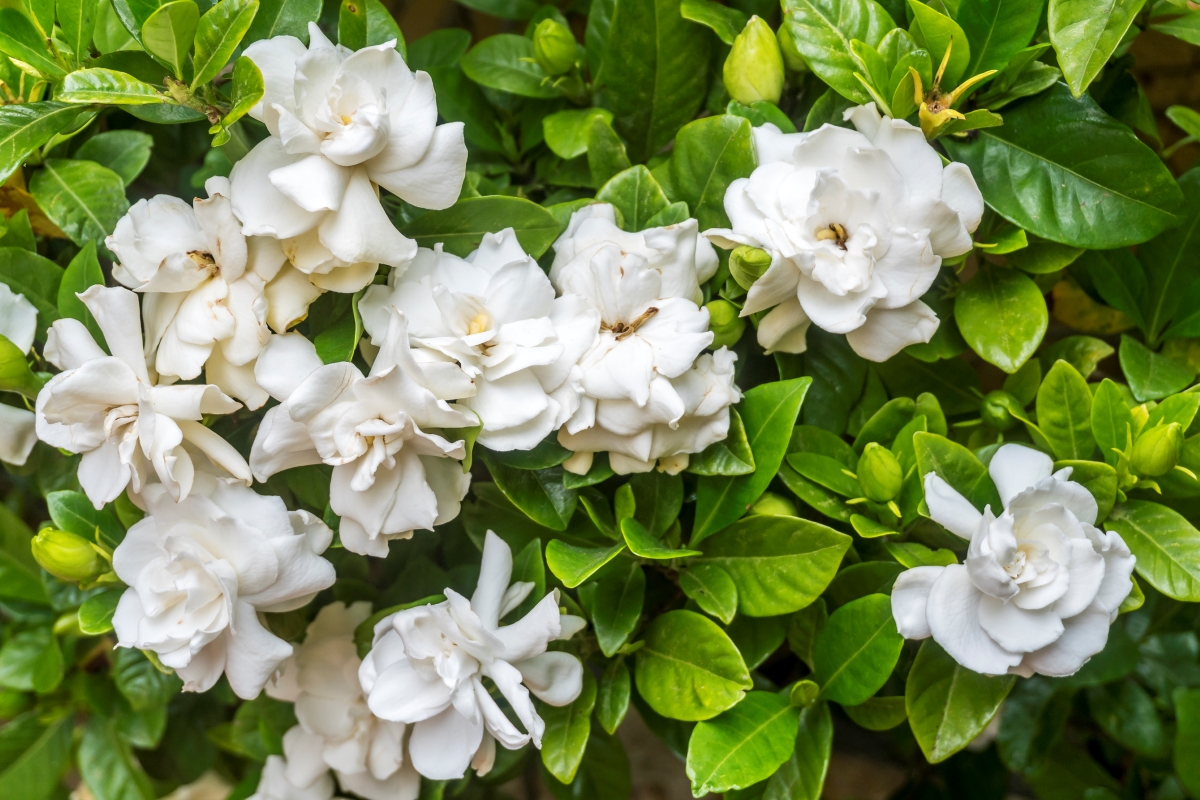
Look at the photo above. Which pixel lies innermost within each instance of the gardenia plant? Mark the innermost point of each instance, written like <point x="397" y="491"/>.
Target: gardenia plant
<point x="392" y="419"/>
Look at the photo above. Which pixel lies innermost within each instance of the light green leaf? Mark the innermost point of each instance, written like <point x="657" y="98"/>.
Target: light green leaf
<point x="1064" y="412"/>
<point x="612" y="698"/>
<point x="730" y="456"/>
<point x="218" y="35"/>
<point x="709" y="155"/>
<point x="34" y="773"/>
<point x="1098" y="478"/>
<point x="382" y="27"/>
<point x="802" y="777"/>
<point x="24" y="128"/>
<point x="712" y="588"/>
<point x="96" y="613"/>
<point x="637" y="195"/>
<point x="915" y="554"/>
<point x="857" y="650"/>
<point x="1085" y="34"/>
<point x="15" y="375"/>
<point x="935" y="31"/>
<point x="688" y="668"/>
<point x="125" y="152"/>
<point x="779" y="564"/>
<point x="31" y="661"/>
<point x="1084" y="353"/>
<point x="1002" y="315"/>
<point x="107" y="765"/>
<point x="957" y="466"/>
<point x="1167" y="547"/>
<point x="573" y="565"/>
<point x="248" y="89"/>
<point x="567" y="730"/>
<point x="642" y="544"/>
<point x="567" y="131"/>
<point x="743" y="745"/>
<point x="167" y="33"/>
<point x="21" y="40"/>
<point x="99" y="85"/>
<point x="948" y="704"/>
<point x="1112" y="421"/>
<point x="461" y="227"/>
<point x="81" y="197"/>
<point x="878" y="713"/>
<point x="77" y="18"/>
<point x="352" y="24"/>
<point x="823" y="30"/>
<point x="283" y="18"/>
<point x="724" y="21"/>
<point x="1151" y="375"/>
<point x="83" y="271"/>
<point x="35" y="277"/>
<point x="506" y="62"/>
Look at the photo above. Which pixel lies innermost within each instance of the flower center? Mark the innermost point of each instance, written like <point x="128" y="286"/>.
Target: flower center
<point x="346" y="119"/>
<point x="204" y="261"/>
<point x="623" y="330"/>
<point x="833" y="232"/>
<point x="480" y="323"/>
<point x="1018" y="564"/>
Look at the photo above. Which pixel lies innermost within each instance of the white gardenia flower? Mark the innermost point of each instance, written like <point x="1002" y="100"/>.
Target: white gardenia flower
<point x="426" y="667"/>
<point x="112" y="409"/>
<point x="649" y="396"/>
<point x="274" y="783"/>
<point x="18" y="324"/>
<point x="393" y="471"/>
<point x="203" y="281"/>
<point x="343" y="123"/>
<point x="493" y="318"/>
<point x="1041" y="584"/>
<point x="857" y="224"/>
<point x="201" y="570"/>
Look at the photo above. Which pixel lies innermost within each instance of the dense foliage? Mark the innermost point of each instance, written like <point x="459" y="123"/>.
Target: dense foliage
<point x="689" y="356"/>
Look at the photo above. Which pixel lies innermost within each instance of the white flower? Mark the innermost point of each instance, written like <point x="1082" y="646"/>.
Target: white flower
<point x="274" y="783"/>
<point x="426" y="667"/>
<point x="337" y="731"/>
<point x="494" y="314"/>
<point x="857" y="224"/>
<point x="648" y="393"/>
<point x="18" y="324"/>
<point x="111" y="409"/>
<point x="1041" y="584"/>
<point x="204" y="287"/>
<point x="342" y="123"/>
<point x="199" y="571"/>
<point x="391" y="474"/>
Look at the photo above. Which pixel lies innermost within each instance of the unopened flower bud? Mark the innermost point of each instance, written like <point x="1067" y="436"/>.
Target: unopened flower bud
<point x="754" y="68"/>
<point x="1156" y="451"/>
<point x="67" y="556"/>
<point x="747" y="264"/>
<point x="879" y="473"/>
<point x="554" y="47"/>
<point x="998" y="408"/>
<point x="804" y="693"/>
<point x="724" y="322"/>
<point x="791" y="54"/>
<point x="773" y="505"/>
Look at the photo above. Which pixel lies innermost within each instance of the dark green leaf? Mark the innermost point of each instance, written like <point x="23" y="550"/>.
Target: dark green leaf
<point x="73" y="512"/>
<point x="1126" y="713"/>
<point x="283" y="18"/>
<point x="802" y="777"/>
<point x="952" y="381"/>
<point x="33" y="773"/>
<point x="461" y="227"/>
<point x="140" y="681"/>
<point x="709" y="155"/>
<point x="107" y="765"/>
<point x="440" y="48"/>
<point x="31" y="661"/>
<point x="615" y="602"/>
<point x="997" y="30"/>
<point x="1084" y="353"/>
<point x="878" y="713"/>
<point x="506" y="62"/>
<point x="1187" y="738"/>
<point x="567" y="730"/>
<point x="83" y="271"/>
<point x="125" y="152"/>
<point x="1172" y="264"/>
<point x="612" y="698"/>
<point x="757" y="638"/>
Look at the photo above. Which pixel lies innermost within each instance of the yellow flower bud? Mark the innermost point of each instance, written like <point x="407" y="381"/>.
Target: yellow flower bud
<point x="754" y="68"/>
<point x="747" y="264"/>
<point x="879" y="473"/>
<point x="724" y="322"/>
<point x="554" y="47"/>
<point x="67" y="556"/>
<point x="1156" y="451"/>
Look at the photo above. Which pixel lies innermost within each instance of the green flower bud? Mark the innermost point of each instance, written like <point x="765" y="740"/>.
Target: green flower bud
<point x="879" y="473"/>
<point x="754" y="69"/>
<point x="791" y="54"/>
<point x="724" y="322"/>
<point x="67" y="556"/>
<point x="747" y="264"/>
<point x="1156" y="451"/>
<point x="554" y="47"/>
<point x="773" y="505"/>
<point x="998" y="408"/>
<point x="804" y="693"/>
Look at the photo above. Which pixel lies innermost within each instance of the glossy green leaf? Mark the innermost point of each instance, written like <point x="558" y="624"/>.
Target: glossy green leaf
<point x="506" y="62"/>
<point x="1126" y="713"/>
<point x="636" y="193"/>
<point x="1171" y="262"/>
<point x="567" y="731"/>
<point x="712" y="588"/>
<point x="724" y="21"/>
<point x="757" y="638"/>
<point x="997" y="30"/>
<point x="20" y="39"/>
<point x="77" y="18"/>
<point x="1151" y="375"/>
<point x="823" y="30"/>
<point x="1064" y="170"/>
<point x="688" y="668"/>
<point x="81" y="197"/>
<point x="539" y="493"/>
<point x="383" y="28"/>
<point x="125" y="152"/>
<point x="935" y="32"/>
<point x="957" y="466"/>
<point x="769" y="412"/>
<point x="612" y="697"/>
<point x="915" y="554"/>
<point x="1034" y="717"/>
<point x="641" y="543"/>
<point x="283" y="18"/>
<point x="352" y="24"/>
<point x="96" y="613"/>
<point x="730" y="456"/>
<point x="952" y="380"/>
<point x="31" y="661"/>
<point x="167" y="34"/>
<point x="33" y="772"/>
<point x="606" y="155"/>
<point x="1085" y="34"/>
<point x="948" y="704"/>
<point x="218" y="35"/>
<point x="15" y="374"/>
<point x="615" y="602"/>
<point x="73" y="512"/>
<point x="83" y="271"/>
<point x="802" y="777"/>
<point x="884" y="424"/>
<point x="573" y="565"/>
<point x="1166" y="545"/>
<point x="461" y="227"/>
<point x="1002" y="316"/>
<point x="24" y="128"/>
<point x="1064" y="412"/>
<point x="857" y="650"/>
<point x="878" y="713"/>
<point x="709" y="155"/>
<point x="743" y="745"/>
<point x="1098" y="478"/>
<point x="107" y="765"/>
<point x="567" y="131"/>
<point x="1084" y="353"/>
<point x="101" y="85"/>
<point x="1112" y="421"/>
<point x="779" y="564"/>
<point x="248" y="90"/>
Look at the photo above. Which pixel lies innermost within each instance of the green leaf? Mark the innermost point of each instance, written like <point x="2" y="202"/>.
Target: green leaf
<point x="883" y="426"/>
<point x="688" y="668"/>
<point x="1064" y="170"/>
<point x="656" y="73"/>
<point x="935" y="31"/>
<point x="77" y="18"/>
<point x="857" y="650"/>
<point x="1151" y="375"/>
<point x="167" y="33"/>
<point x="802" y="777"/>
<point x="283" y="18"/>
<point x="878" y="713"/>
<point x="957" y="466"/>
<point x="539" y="493"/>
<point x="218" y="35"/>
<point x="643" y="545"/>
<point x="612" y="698"/>
<point x="352" y="24"/>
<point x="724" y="21"/>
<point x="756" y="638"/>
<point x="125" y="152"/>
<point x="107" y="765"/>
<point x="1171" y="265"/>
<point x="83" y="271"/>
<point x="1086" y="34"/>
<point x="461" y="227"/>
<point x="637" y="195"/>
<point x="382" y="27"/>
<point x="915" y="554"/>
<point x="952" y="381"/>
<point x="1126" y="713"/>
<point x="504" y="9"/>
<point x="96" y="613"/>
<point x="506" y="62"/>
<point x="1084" y="353"/>
<point x="730" y="456"/>
<point x="1187" y="738"/>
<point x="35" y="277"/>
<point x="709" y="155"/>
<point x="24" y="128"/>
<point x="804" y="628"/>
<point x="31" y="661"/>
<point x="997" y="30"/>
<point x="823" y="30"/>
<point x="1111" y="421"/>
<point x="779" y="564"/>
<point x="573" y="565"/>
<point x="81" y="197"/>
<point x="1167" y="547"/>
<point x="948" y="704"/>
<point x="441" y="48"/>
<point x="21" y="40"/>
<point x="743" y="745"/>
<point x="73" y="512"/>
<point x="712" y="588"/>
<point x="606" y="154"/>
<point x="1034" y="717"/>
<point x="140" y="681"/>
<point x="1064" y="412"/>
<point x="1186" y="28"/>
<point x="567" y="730"/>
<point x="658" y="498"/>
<point x="567" y="132"/>
<point x="15" y="374"/>
<point x="339" y="341"/>
<point x="1002" y="315"/>
<point x="615" y="602"/>
<point x="769" y="412"/>
<point x="34" y="773"/>
<point x="825" y="471"/>
<point x="604" y="772"/>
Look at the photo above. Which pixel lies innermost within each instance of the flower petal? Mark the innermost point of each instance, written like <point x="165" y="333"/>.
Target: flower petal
<point x="435" y="181"/>
<point x="1015" y="468"/>
<point x="887" y="331"/>
<point x="910" y="596"/>
<point x="1084" y="636"/>
<point x="441" y="748"/>
<point x="950" y="509"/>
<point x="953" y="613"/>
